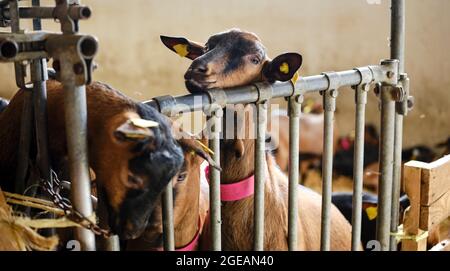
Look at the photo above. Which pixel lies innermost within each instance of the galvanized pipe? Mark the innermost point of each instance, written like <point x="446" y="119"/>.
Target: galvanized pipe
<point x="76" y="132"/>
<point x="23" y="152"/>
<point x="215" y="120"/>
<point x="38" y="76"/>
<point x="249" y="94"/>
<point x="294" y="108"/>
<point x="358" y="164"/>
<point x="386" y="163"/>
<point x="36" y="21"/>
<point x="329" y="104"/>
<point x="398" y="26"/>
<point x="260" y="175"/>
<point x="74" y="12"/>
<point x="8" y="49"/>
<point x="167" y="218"/>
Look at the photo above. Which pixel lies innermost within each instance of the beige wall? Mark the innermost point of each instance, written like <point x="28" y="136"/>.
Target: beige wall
<point x="331" y="35"/>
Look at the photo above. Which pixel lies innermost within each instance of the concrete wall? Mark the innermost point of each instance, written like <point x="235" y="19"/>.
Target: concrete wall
<point x="331" y="35"/>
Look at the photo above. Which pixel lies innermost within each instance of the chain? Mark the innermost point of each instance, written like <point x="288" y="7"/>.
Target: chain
<point x="53" y="188"/>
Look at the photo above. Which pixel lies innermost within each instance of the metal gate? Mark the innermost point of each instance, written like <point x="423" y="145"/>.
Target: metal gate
<point x="392" y="88"/>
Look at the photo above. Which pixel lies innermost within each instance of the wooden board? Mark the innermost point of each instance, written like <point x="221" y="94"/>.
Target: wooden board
<point x="435" y="180"/>
<point x="411" y="221"/>
<point x="432" y="216"/>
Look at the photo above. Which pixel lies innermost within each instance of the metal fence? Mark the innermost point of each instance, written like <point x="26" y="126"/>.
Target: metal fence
<point x="391" y="85"/>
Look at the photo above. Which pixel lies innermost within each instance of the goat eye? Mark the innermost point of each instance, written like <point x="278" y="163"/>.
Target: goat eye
<point x="255" y="60"/>
<point x="182" y="176"/>
<point x="135" y="180"/>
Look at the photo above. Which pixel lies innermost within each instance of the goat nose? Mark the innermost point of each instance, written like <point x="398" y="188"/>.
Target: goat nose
<point x="201" y="69"/>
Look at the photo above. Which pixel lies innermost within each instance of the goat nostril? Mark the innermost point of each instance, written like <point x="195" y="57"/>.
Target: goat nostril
<point x="202" y="69"/>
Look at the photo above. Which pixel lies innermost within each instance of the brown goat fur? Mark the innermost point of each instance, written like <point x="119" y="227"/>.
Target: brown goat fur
<point x="122" y="165"/>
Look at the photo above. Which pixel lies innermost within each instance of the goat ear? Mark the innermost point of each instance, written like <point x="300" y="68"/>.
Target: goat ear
<point x="283" y="67"/>
<point x="190" y="144"/>
<point x="183" y="47"/>
<point x="135" y="130"/>
<point x="371" y="210"/>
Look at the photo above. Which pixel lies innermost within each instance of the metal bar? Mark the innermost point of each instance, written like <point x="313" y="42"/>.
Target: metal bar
<point x="76" y="132"/>
<point x="74" y="12"/>
<point x="38" y="76"/>
<point x="167" y="218"/>
<point x="249" y="94"/>
<point x="294" y="108"/>
<point x="397" y="52"/>
<point x="329" y="104"/>
<point x="215" y="122"/>
<point x="23" y="152"/>
<point x="36" y="21"/>
<point x="260" y="168"/>
<point x="358" y="164"/>
<point x="386" y="154"/>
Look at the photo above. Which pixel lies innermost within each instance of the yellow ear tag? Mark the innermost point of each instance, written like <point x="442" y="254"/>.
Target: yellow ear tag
<point x="295" y="78"/>
<point x="181" y="49"/>
<point x="204" y="147"/>
<point x="144" y="123"/>
<point x="372" y="212"/>
<point x="284" y="68"/>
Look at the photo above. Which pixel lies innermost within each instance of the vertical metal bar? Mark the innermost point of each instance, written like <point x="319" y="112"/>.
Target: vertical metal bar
<point x="23" y="152"/>
<point x="215" y="120"/>
<point x="76" y="132"/>
<point x="397" y="52"/>
<point x="36" y="21"/>
<point x="329" y="104"/>
<point x="294" y="108"/>
<point x="167" y="218"/>
<point x="260" y="167"/>
<point x="386" y="166"/>
<point x="398" y="27"/>
<point x="27" y="110"/>
<point x="358" y="164"/>
<point x="38" y="77"/>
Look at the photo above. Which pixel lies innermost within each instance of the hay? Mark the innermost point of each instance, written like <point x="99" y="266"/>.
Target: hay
<point x="15" y="234"/>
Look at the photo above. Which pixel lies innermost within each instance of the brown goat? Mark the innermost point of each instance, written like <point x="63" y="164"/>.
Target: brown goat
<point x="191" y="204"/>
<point x="311" y="139"/>
<point x="236" y="58"/>
<point x="132" y="164"/>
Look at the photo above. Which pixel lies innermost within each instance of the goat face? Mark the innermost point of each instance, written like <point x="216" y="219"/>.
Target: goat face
<point x="137" y="163"/>
<point x="186" y="189"/>
<point x="229" y="59"/>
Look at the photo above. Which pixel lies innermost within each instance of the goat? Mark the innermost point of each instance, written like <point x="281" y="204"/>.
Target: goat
<point x="191" y="203"/>
<point x="236" y="58"/>
<point x="344" y="202"/>
<point x="132" y="163"/>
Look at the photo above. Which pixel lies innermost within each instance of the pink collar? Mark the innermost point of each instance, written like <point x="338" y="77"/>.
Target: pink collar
<point x="189" y="247"/>
<point x="193" y="244"/>
<point x="236" y="191"/>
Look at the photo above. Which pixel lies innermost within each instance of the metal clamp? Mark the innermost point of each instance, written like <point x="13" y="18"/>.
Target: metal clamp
<point x="218" y="97"/>
<point x="362" y="89"/>
<point x="264" y="92"/>
<point x="165" y="104"/>
<point x="330" y="94"/>
<point x="401" y="94"/>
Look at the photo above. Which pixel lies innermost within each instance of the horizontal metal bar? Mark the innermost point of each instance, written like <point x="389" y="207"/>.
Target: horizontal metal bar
<point x="74" y="12"/>
<point x="249" y="94"/>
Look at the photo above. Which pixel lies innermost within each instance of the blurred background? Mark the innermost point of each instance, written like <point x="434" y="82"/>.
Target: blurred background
<point x="331" y="35"/>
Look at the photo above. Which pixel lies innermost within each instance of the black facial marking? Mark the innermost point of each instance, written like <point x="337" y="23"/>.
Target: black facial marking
<point x="157" y="166"/>
<point x="234" y="47"/>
